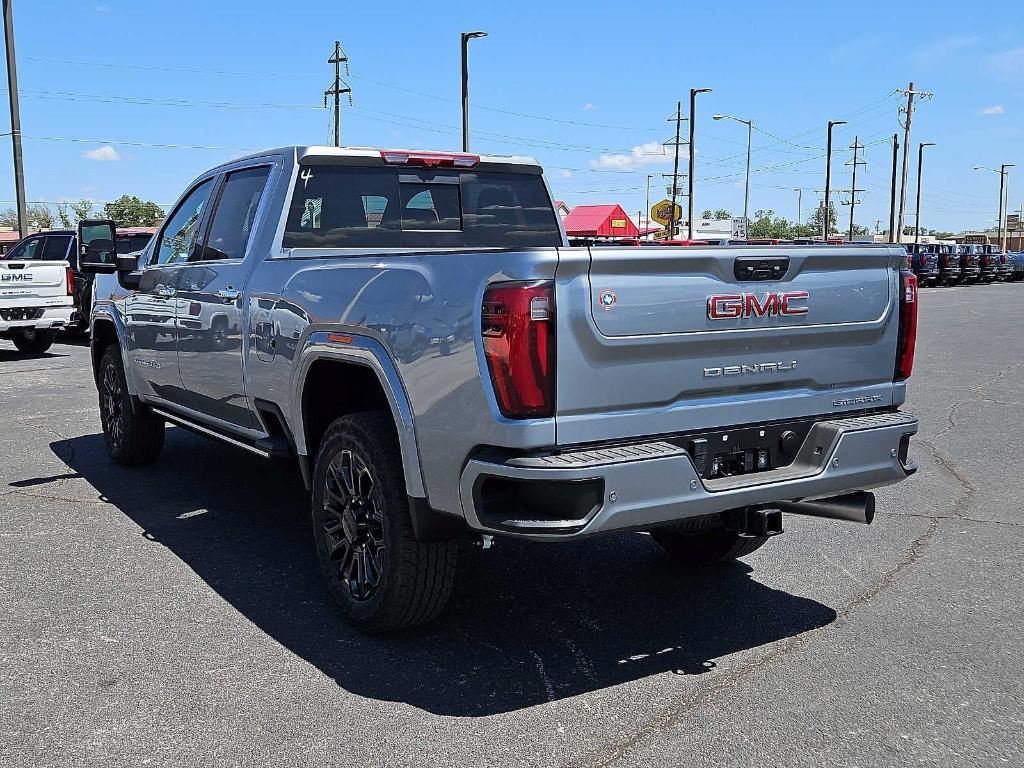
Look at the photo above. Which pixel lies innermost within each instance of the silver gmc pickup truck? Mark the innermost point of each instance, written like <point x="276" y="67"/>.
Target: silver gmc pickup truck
<point x="410" y="329"/>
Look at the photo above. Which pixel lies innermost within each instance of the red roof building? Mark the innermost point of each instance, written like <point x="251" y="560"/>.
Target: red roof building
<point x="599" y="221"/>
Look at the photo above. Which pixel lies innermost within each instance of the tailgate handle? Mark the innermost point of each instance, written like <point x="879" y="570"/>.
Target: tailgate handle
<point x="760" y="267"/>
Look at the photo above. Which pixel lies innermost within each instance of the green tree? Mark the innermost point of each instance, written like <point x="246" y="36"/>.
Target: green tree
<point x="37" y="216"/>
<point x="707" y="214"/>
<point x="766" y="224"/>
<point x="130" y="211"/>
<point x="818" y="218"/>
<point x="721" y="215"/>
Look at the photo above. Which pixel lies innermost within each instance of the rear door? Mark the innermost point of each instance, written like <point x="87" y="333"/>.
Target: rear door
<point x="662" y="340"/>
<point x="210" y="340"/>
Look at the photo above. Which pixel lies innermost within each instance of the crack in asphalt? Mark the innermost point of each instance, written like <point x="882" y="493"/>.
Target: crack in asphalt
<point x="674" y="716"/>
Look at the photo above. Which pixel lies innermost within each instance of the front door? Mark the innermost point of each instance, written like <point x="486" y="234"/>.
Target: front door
<point x="210" y="292"/>
<point x="151" y="310"/>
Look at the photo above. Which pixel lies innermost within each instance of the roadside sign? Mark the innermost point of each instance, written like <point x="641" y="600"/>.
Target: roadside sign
<point x="663" y="212"/>
<point x="1013" y="221"/>
<point x="618" y="223"/>
<point x="739" y="228"/>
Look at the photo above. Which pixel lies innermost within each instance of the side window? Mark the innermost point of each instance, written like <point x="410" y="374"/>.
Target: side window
<point x="234" y="215"/>
<point x="181" y="232"/>
<point x="26" y="250"/>
<point x="55" y="248"/>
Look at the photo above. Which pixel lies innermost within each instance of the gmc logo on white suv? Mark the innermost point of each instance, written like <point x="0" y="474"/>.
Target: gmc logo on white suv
<point x="731" y="306"/>
<point x="16" y="277"/>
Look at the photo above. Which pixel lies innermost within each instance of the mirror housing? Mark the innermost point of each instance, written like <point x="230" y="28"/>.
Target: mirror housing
<point x="97" y="247"/>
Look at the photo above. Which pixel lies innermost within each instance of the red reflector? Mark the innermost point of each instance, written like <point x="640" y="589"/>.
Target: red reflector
<point x="429" y="159"/>
<point x="907" y="338"/>
<point x="69" y="279"/>
<point x="517" y="321"/>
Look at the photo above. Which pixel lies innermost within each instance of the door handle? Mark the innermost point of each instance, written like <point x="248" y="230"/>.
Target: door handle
<point x="165" y="291"/>
<point x="227" y="294"/>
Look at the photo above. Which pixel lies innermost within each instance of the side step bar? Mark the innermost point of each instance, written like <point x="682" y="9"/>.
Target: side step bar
<point x="208" y="432"/>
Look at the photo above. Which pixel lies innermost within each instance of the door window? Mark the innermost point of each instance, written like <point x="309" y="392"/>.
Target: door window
<point x="235" y="214"/>
<point x="56" y="248"/>
<point x="181" y="233"/>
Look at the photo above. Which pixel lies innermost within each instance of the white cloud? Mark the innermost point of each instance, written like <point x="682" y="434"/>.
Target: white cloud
<point x="651" y="153"/>
<point x="565" y="173"/>
<point x="588" y="107"/>
<point x="106" y="152"/>
<point x="995" y="109"/>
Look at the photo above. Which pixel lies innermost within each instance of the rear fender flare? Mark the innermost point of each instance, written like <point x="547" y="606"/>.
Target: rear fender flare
<point x="361" y="350"/>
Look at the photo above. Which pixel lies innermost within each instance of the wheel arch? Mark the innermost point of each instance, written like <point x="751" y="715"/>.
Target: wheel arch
<point x="334" y="379"/>
<point x="106" y="330"/>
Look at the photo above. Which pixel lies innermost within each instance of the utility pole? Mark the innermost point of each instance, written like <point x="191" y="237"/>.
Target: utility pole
<point x="799" y="205"/>
<point x="893" y="238"/>
<point x="908" y="113"/>
<point x="828" y="179"/>
<point x="689" y="153"/>
<point x="1004" y="192"/>
<point x="856" y="147"/>
<point x="339" y="87"/>
<point x="678" y="117"/>
<point x="647" y="203"/>
<point x="12" y="91"/>
<point x="917" y="215"/>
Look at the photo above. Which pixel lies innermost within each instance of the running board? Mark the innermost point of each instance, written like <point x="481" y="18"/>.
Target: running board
<point x="208" y="432"/>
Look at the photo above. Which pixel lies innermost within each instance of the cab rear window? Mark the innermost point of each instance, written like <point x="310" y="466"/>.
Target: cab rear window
<point x="352" y="207"/>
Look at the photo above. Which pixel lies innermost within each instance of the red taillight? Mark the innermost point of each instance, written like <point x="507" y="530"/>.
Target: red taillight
<point x="518" y="324"/>
<point x="69" y="280"/>
<point x="907" y="339"/>
<point x="429" y="159"/>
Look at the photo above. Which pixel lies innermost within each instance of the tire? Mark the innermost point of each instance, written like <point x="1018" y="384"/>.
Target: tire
<point x="133" y="437"/>
<point x="693" y="543"/>
<point x="34" y="342"/>
<point x="378" y="574"/>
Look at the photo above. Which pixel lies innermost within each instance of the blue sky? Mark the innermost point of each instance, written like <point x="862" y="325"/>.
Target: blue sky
<point x="215" y="79"/>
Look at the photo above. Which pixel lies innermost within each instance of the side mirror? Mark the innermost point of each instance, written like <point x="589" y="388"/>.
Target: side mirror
<point x="97" y="252"/>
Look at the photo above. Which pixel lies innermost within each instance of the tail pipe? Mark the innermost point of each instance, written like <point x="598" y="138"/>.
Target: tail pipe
<point x="857" y="507"/>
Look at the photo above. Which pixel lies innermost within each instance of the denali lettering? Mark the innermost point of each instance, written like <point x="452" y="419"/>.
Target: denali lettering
<point x="731" y="306"/>
<point x="738" y="370"/>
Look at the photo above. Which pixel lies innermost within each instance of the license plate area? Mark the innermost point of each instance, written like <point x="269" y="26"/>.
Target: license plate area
<point x="745" y="450"/>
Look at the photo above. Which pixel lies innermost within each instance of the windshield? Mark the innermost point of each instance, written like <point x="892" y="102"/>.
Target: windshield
<point x="352" y="207"/>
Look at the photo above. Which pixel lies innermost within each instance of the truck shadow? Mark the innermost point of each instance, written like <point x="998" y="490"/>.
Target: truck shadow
<point x="527" y="624"/>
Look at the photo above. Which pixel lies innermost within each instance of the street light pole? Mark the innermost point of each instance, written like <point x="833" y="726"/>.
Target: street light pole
<point x="828" y="178"/>
<point x="746" y="185"/>
<point x="1002" y="193"/>
<point x="689" y="178"/>
<point x="12" y="91"/>
<point x="466" y="37"/>
<point x="799" y="205"/>
<point x="917" y="214"/>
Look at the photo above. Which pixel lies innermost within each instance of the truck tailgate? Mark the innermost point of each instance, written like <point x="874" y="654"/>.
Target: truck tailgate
<point x="665" y="340"/>
<point x="33" y="283"/>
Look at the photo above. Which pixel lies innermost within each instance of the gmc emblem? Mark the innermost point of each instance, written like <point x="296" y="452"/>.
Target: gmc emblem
<point x="730" y="306"/>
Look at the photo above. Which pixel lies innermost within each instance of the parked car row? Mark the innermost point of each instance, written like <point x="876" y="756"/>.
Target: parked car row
<point x="951" y="264"/>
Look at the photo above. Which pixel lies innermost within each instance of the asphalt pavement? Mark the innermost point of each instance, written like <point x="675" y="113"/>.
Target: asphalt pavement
<point x="173" y="615"/>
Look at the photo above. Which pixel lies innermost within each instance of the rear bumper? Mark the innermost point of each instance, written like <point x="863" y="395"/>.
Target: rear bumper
<point x="53" y="318"/>
<point x="649" y="484"/>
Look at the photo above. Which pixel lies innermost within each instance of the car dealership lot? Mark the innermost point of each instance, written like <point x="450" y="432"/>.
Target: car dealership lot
<point x="174" y="615"/>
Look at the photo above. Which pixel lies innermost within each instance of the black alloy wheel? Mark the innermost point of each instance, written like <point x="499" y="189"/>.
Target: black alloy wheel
<point x="354" y="524"/>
